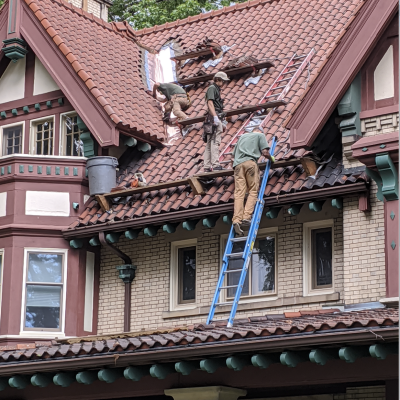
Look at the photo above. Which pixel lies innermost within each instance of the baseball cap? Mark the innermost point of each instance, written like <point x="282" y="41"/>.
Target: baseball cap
<point x="222" y="75"/>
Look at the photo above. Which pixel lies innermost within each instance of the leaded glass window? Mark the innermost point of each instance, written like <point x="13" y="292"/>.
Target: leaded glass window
<point x="321" y="248"/>
<point x="187" y="274"/>
<point x="73" y="145"/>
<point x="44" y="137"/>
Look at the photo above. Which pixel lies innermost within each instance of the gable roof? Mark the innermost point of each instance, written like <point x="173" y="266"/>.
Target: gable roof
<point x="273" y="30"/>
<point x="107" y="59"/>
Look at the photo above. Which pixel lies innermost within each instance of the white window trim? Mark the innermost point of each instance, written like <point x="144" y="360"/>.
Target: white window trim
<point x="36" y="333"/>
<point x="1" y="278"/>
<point x="174" y="275"/>
<point x="61" y="132"/>
<point x="307" y="257"/>
<point x="34" y="122"/>
<point x="257" y="297"/>
<point x="2" y="127"/>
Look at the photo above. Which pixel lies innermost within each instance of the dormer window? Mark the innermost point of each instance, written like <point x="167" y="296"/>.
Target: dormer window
<point x="71" y="136"/>
<point x="12" y="139"/>
<point x="42" y="137"/>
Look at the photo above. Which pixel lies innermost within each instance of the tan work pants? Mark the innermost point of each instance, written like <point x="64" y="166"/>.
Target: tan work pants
<point x="247" y="179"/>
<point x="211" y="152"/>
<point x="176" y="104"/>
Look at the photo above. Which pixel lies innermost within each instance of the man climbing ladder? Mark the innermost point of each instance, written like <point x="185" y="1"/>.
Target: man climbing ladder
<point x="247" y="152"/>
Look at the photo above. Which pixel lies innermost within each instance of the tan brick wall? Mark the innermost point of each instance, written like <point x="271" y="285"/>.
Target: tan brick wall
<point x="94" y="8"/>
<point x="151" y="287"/>
<point x="363" y="393"/>
<point x="364" y="251"/>
<point x="76" y="3"/>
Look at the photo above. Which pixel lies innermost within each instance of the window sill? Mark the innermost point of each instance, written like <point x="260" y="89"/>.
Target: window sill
<point x="318" y="292"/>
<point x="280" y="302"/>
<point x="379" y="111"/>
<point x="42" y="335"/>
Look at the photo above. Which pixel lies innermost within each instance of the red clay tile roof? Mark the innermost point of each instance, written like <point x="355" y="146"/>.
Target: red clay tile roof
<point x="274" y="29"/>
<point x="251" y="328"/>
<point x="108" y="60"/>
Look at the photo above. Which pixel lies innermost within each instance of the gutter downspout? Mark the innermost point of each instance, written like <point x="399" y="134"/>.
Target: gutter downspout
<point x="127" y="273"/>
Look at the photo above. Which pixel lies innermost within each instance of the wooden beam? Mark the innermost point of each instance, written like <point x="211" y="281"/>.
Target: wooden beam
<point x="86" y="377"/>
<point x="94" y="241"/>
<point x="186" y="367"/>
<point x="132" y="233"/>
<point x="227" y="219"/>
<point x="337" y="203"/>
<point x="230" y="72"/>
<point x="316" y="206"/>
<point x="18" y="382"/>
<point x="110" y="375"/>
<point x="76" y="243"/>
<point x="103" y="202"/>
<point x="136" y="373"/>
<point x="41" y="380"/>
<point x="237" y="363"/>
<point x="197" y="53"/>
<point x="212" y="364"/>
<point x="113" y="237"/>
<point x="64" y="379"/>
<point x="170" y="227"/>
<point x="322" y="356"/>
<point x="196" y="185"/>
<point x="309" y="165"/>
<point x="273" y="212"/>
<point x="292" y="358"/>
<point x="264" y="360"/>
<point x="381" y="351"/>
<point x="294" y="209"/>
<point x="161" y="371"/>
<point x="236" y="111"/>
<point x="352" y="353"/>
<point x="210" y="222"/>
<point x="151" y="230"/>
<point x="190" y="225"/>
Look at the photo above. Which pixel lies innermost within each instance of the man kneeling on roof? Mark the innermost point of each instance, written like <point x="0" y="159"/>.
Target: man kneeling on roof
<point x="215" y="107"/>
<point x="247" y="152"/>
<point x="176" y="98"/>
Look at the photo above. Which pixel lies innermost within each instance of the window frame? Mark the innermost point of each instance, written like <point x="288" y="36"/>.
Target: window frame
<point x="1" y="277"/>
<point x="44" y="332"/>
<point x="174" y="275"/>
<point x="32" y="125"/>
<point x="273" y="231"/>
<point x="308" y="273"/>
<point x="2" y="127"/>
<point x="62" y="138"/>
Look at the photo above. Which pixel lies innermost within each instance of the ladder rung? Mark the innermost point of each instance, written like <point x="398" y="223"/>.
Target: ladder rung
<point x="290" y="72"/>
<point x="229" y="271"/>
<point x="279" y="87"/>
<point x="239" y="239"/>
<point x="229" y="154"/>
<point x="232" y="255"/>
<point x="294" y="65"/>
<point x="298" y="57"/>
<point x="224" y="304"/>
<point x="228" y="287"/>
<point x="272" y="95"/>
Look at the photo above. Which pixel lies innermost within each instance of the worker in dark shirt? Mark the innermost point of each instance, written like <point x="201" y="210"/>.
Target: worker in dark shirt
<point x="215" y="107"/>
<point x="176" y="99"/>
<point x="246" y="154"/>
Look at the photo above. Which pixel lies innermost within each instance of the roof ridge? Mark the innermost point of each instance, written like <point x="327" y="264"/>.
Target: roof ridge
<point x="203" y="16"/>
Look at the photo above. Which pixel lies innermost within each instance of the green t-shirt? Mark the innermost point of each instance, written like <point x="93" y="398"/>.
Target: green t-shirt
<point x="214" y="95"/>
<point x="169" y="89"/>
<point x="249" y="147"/>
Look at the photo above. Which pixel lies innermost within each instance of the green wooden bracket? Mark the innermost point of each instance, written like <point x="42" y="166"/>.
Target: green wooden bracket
<point x="37" y="107"/>
<point x="393" y="244"/>
<point x="377" y="178"/>
<point x="58" y="170"/>
<point x="18" y="382"/>
<point x="89" y="145"/>
<point x="190" y="225"/>
<point x="151" y="230"/>
<point x="136" y="373"/>
<point x="161" y="371"/>
<point x="64" y="379"/>
<point x="392" y="215"/>
<point x="129" y="141"/>
<point x="170" y="228"/>
<point x="75" y="206"/>
<point x="264" y="360"/>
<point x="143" y="147"/>
<point x="66" y="170"/>
<point x="212" y="364"/>
<point x="337" y="203"/>
<point x="75" y="171"/>
<point x="113" y="237"/>
<point x="210" y="222"/>
<point x="322" y="356"/>
<point x="81" y="125"/>
<point x="25" y="109"/>
<point x="3" y="383"/>
<point x="237" y="363"/>
<point x="2" y="172"/>
<point x="3" y="115"/>
<point x="49" y="104"/>
<point x="76" y="243"/>
<point x="48" y="170"/>
<point x="14" y="112"/>
<point x="352" y="353"/>
<point x="21" y="169"/>
<point x="294" y="209"/>
<point x="110" y="375"/>
<point x="381" y="351"/>
<point x="291" y="358"/>
<point x="186" y="367"/>
<point x="389" y="176"/>
<point x="132" y="233"/>
<point x="40" y="380"/>
<point x="8" y="169"/>
<point x="227" y="219"/>
<point x="60" y="101"/>
<point x="94" y="241"/>
<point x="30" y="168"/>
<point x="316" y="206"/>
<point x="273" y="212"/>
<point x="86" y="377"/>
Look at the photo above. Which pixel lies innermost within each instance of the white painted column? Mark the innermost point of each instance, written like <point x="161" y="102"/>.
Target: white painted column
<point x="206" y="393"/>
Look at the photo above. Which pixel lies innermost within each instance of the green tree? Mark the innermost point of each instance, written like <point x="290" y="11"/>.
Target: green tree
<point x="1" y="3"/>
<point x="146" y="13"/>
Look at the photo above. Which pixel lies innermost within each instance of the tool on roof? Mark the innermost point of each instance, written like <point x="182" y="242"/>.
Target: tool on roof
<point x="244" y="254"/>
<point x="277" y="91"/>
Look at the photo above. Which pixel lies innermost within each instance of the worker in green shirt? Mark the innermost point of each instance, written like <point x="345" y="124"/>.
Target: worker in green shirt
<point x="175" y="98"/>
<point x="215" y="107"/>
<point x="248" y="150"/>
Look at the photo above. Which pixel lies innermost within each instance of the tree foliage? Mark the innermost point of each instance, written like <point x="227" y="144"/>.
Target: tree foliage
<point x="146" y="13"/>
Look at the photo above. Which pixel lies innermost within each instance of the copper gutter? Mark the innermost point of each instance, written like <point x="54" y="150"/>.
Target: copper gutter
<point x="198" y="212"/>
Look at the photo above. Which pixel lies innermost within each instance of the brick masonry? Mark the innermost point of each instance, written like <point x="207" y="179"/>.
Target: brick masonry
<point x="363" y="393"/>
<point x="151" y="287"/>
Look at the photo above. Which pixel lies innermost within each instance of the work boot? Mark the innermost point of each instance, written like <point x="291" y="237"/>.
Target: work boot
<point x="246" y="222"/>
<point x="238" y="230"/>
<point x="207" y="170"/>
<point x="219" y="168"/>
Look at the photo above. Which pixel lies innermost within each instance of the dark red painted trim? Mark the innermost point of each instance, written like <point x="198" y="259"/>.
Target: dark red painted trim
<point x="338" y="73"/>
<point x="379" y="111"/>
<point x="372" y="147"/>
<point x="57" y="135"/>
<point x="94" y="116"/>
<point x="392" y="255"/>
<point x="31" y="100"/>
<point x="29" y="74"/>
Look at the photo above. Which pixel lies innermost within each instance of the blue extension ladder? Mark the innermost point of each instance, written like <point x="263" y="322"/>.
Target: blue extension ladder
<point x="245" y="255"/>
